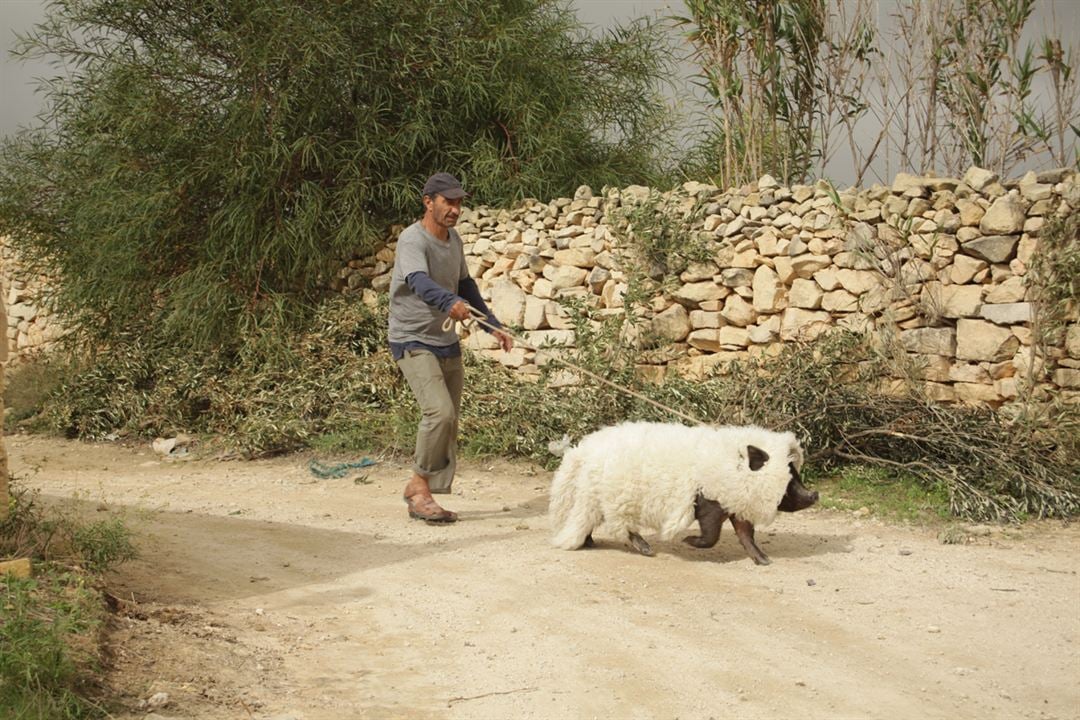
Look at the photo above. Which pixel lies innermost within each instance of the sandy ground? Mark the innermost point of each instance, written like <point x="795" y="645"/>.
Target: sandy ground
<point x="265" y="592"/>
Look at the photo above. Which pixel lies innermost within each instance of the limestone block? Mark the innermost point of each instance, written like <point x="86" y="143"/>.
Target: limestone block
<point x="979" y="178"/>
<point x="768" y="242"/>
<point x="577" y="257"/>
<point x="699" y="271"/>
<point x="956" y="301"/>
<point x="857" y="282"/>
<point x="975" y="393"/>
<point x="969" y="373"/>
<point x="933" y="368"/>
<point x="733" y="338"/>
<point x="613" y="293"/>
<point x="804" y="266"/>
<point x="770" y="294"/>
<point x="981" y="340"/>
<point x="556" y="316"/>
<point x="1072" y="341"/>
<point x="910" y="185"/>
<point x="672" y="324"/>
<point x="736" y="277"/>
<point x="1006" y="216"/>
<point x="378" y="284"/>
<point x="784" y="271"/>
<point x="564" y="276"/>
<point x="1007" y="388"/>
<point x="1067" y="378"/>
<point x="765" y="332"/>
<point x="1007" y="313"/>
<point x="26" y="311"/>
<point x="939" y="392"/>
<point x="1035" y="191"/>
<point x="706" y="339"/>
<point x="1011" y="290"/>
<point x="701" y="319"/>
<point x="804" y="325"/>
<point x="738" y="311"/>
<point x="993" y="248"/>
<point x="694" y="293"/>
<point x="597" y="277"/>
<point x="535" y="317"/>
<point x="964" y="268"/>
<point x="839" y="301"/>
<point x="507" y="301"/>
<point x="805" y="294"/>
<point x="543" y="288"/>
<point x="930" y="341"/>
<point x="971" y="212"/>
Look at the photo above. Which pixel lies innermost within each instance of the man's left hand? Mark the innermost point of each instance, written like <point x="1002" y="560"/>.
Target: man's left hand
<point x="505" y="341"/>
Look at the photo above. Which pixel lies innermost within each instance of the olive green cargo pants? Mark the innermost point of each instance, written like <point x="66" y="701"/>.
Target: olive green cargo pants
<point x="436" y="383"/>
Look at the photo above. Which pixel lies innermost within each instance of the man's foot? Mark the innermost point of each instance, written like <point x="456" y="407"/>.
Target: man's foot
<point x="422" y="506"/>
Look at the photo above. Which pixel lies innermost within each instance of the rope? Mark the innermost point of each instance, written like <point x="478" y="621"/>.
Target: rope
<point x="481" y="319"/>
<point x="339" y="470"/>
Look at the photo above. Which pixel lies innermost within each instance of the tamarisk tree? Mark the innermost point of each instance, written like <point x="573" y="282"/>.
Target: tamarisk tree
<point x="203" y="165"/>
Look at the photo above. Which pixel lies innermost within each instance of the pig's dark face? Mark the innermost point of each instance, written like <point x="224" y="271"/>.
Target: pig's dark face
<point x="797" y="496"/>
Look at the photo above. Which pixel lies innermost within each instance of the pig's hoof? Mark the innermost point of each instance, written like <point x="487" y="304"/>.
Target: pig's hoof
<point x="763" y="560"/>
<point x="696" y="540"/>
<point x="641" y="545"/>
<point x="589" y="542"/>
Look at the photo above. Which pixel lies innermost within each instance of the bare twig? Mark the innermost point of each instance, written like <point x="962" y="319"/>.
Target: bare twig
<point x="451" y="701"/>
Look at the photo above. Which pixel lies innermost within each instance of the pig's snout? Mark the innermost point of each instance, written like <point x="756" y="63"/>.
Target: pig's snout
<point x="797" y="496"/>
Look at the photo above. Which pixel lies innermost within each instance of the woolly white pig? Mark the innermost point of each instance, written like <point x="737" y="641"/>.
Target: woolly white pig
<point x="631" y="477"/>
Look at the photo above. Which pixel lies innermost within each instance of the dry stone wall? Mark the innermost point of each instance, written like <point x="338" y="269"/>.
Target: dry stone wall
<point x="938" y="265"/>
<point x="30" y="330"/>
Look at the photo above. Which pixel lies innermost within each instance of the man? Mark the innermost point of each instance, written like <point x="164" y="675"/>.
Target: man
<point x="430" y="281"/>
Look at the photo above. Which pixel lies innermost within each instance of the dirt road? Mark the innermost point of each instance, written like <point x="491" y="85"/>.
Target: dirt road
<point x="265" y="592"/>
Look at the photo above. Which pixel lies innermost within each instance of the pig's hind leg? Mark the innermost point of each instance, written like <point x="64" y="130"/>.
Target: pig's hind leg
<point x="710" y="516"/>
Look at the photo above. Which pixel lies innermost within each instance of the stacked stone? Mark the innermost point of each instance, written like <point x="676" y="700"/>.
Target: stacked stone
<point x="29" y="329"/>
<point x="940" y="263"/>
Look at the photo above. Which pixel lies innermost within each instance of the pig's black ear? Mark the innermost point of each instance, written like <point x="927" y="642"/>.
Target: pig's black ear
<point x="758" y="457"/>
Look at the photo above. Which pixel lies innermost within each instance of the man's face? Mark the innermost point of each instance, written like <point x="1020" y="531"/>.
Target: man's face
<point x="443" y="212"/>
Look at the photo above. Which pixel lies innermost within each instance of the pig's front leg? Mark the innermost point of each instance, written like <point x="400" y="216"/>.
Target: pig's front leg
<point x="745" y="530"/>
<point x="710" y="516"/>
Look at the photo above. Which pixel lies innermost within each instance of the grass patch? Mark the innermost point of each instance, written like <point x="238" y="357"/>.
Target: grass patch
<point x="27" y="385"/>
<point x="51" y="624"/>
<point x="886" y="494"/>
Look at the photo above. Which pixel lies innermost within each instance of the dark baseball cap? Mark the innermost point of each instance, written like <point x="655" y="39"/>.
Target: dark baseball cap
<point x="446" y="185"/>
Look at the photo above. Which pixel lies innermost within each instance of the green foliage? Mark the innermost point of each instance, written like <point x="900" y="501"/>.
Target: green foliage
<point x="202" y="166"/>
<point x="1055" y="279"/>
<point x="659" y="228"/>
<point x="26" y="385"/>
<point x="48" y="647"/>
<point x="761" y="68"/>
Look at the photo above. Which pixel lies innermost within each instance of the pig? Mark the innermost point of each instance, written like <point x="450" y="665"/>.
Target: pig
<point x="636" y="476"/>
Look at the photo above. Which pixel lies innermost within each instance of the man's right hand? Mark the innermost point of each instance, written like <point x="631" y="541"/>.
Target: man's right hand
<point x="460" y="311"/>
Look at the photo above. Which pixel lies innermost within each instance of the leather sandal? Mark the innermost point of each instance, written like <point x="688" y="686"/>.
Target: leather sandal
<point x="428" y="510"/>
